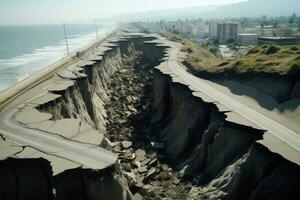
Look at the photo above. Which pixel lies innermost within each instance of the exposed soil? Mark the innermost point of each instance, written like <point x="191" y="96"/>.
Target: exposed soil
<point x="142" y="157"/>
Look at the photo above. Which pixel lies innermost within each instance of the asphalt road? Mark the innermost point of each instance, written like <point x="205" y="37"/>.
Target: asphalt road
<point x="90" y="156"/>
<point x="278" y="130"/>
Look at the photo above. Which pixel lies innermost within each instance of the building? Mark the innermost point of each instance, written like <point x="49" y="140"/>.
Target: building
<point x="247" y="38"/>
<point x="189" y="29"/>
<point x="277" y="40"/>
<point x="200" y="32"/>
<point x="250" y="30"/>
<point x="226" y="32"/>
<point x="297" y="36"/>
<point x="266" y="31"/>
<point x="212" y="30"/>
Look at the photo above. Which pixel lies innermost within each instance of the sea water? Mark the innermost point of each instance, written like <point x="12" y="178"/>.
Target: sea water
<point x="27" y="49"/>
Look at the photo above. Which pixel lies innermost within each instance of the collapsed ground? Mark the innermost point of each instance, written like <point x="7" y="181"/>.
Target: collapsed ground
<point x="268" y="76"/>
<point x="142" y="157"/>
<point x="171" y="145"/>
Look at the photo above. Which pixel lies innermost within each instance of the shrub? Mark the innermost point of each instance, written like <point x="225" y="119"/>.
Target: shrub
<point x="253" y="51"/>
<point x="213" y="50"/>
<point x="196" y="59"/>
<point x="272" y="49"/>
<point x="189" y="50"/>
<point x="294" y="48"/>
<point x="297" y="58"/>
<point x="295" y="68"/>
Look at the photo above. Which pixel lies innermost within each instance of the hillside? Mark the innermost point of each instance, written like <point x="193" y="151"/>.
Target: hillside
<point x="254" y="8"/>
<point x="281" y="60"/>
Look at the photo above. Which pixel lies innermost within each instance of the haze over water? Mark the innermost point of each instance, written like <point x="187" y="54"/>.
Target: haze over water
<point x="28" y="49"/>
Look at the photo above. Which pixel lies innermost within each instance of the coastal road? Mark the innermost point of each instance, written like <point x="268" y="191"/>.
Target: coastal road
<point x="89" y="156"/>
<point x="278" y="130"/>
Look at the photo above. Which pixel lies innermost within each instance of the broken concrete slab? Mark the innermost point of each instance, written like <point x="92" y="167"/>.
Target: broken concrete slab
<point x="151" y="173"/>
<point x="137" y="196"/>
<point x="86" y="63"/>
<point x="126" y="144"/>
<point x="67" y="74"/>
<point x="35" y="116"/>
<point x="142" y="169"/>
<point x="45" y="98"/>
<point x="44" y="126"/>
<point x="58" y="164"/>
<point x="9" y="151"/>
<point x="66" y="127"/>
<point x="238" y="119"/>
<point x="140" y="155"/>
<point x="60" y="85"/>
<point x="89" y="135"/>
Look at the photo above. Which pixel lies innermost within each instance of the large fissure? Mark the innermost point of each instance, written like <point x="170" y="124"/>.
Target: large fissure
<point x="170" y="144"/>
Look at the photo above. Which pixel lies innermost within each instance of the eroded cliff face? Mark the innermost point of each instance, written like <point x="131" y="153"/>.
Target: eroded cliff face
<point x="171" y="144"/>
<point x="85" y="100"/>
<point x="90" y="184"/>
<point x="223" y="158"/>
<point x="273" y="92"/>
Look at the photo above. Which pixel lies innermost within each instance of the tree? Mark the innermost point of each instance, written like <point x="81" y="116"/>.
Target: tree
<point x="230" y="41"/>
<point x="216" y="42"/>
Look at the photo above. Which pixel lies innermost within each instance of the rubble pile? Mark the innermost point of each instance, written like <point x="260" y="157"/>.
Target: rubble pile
<point x="141" y="156"/>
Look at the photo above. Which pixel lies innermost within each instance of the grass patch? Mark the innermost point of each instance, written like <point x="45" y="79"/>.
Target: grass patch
<point x="272" y="49"/>
<point x="283" y="59"/>
<point x="294" y="48"/>
<point x="295" y="68"/>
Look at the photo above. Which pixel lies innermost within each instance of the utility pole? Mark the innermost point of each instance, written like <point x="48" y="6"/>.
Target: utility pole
<point x="95" y="23"/>
<point x="67" y="45"/>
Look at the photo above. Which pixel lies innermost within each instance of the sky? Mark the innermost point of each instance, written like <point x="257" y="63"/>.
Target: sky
<point x="59" y="11"/>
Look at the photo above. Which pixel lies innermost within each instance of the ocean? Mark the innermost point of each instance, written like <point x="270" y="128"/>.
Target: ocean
<point x="27" y="49"/>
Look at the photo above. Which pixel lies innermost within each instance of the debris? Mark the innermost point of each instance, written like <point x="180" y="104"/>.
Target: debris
<point x="127" y="121"/>
<point x="145" y="162"/>
<point x="153" y="161"/>
<point x="143" y="169"/>
<point x="131" y="175"/>
<point x="140" y="155"/>
<point x="176" y="181"/>
<point x="138" y="163"/>
<point x="137" y="196"/>
<point x="165" y="167"/>
<point x="152" y="172"/>
<point x="126" y="144"/>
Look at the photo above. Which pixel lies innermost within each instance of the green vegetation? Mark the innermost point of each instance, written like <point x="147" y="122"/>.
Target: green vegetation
<point x="295" y="68"/>
<point x="272" y="49"/>
<point x="294" y="48"/>
<point x="266" y="58"/>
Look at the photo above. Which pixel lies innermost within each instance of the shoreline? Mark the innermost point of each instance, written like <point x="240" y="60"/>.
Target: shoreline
<point x="12" y="92"/>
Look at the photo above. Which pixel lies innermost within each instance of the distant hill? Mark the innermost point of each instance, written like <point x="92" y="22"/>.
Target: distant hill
<point x="172" y="14"/>
<point x="250" y="8"/>
<point x="254" y="8"/>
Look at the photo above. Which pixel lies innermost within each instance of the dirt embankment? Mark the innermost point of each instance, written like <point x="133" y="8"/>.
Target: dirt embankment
<point x="268" y="75"/>
<point x="171" y="144"/>
<point x="222" y="158"/>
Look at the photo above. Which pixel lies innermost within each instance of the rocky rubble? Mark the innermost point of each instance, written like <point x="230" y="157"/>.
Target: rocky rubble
<point x="141" y="156"/>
